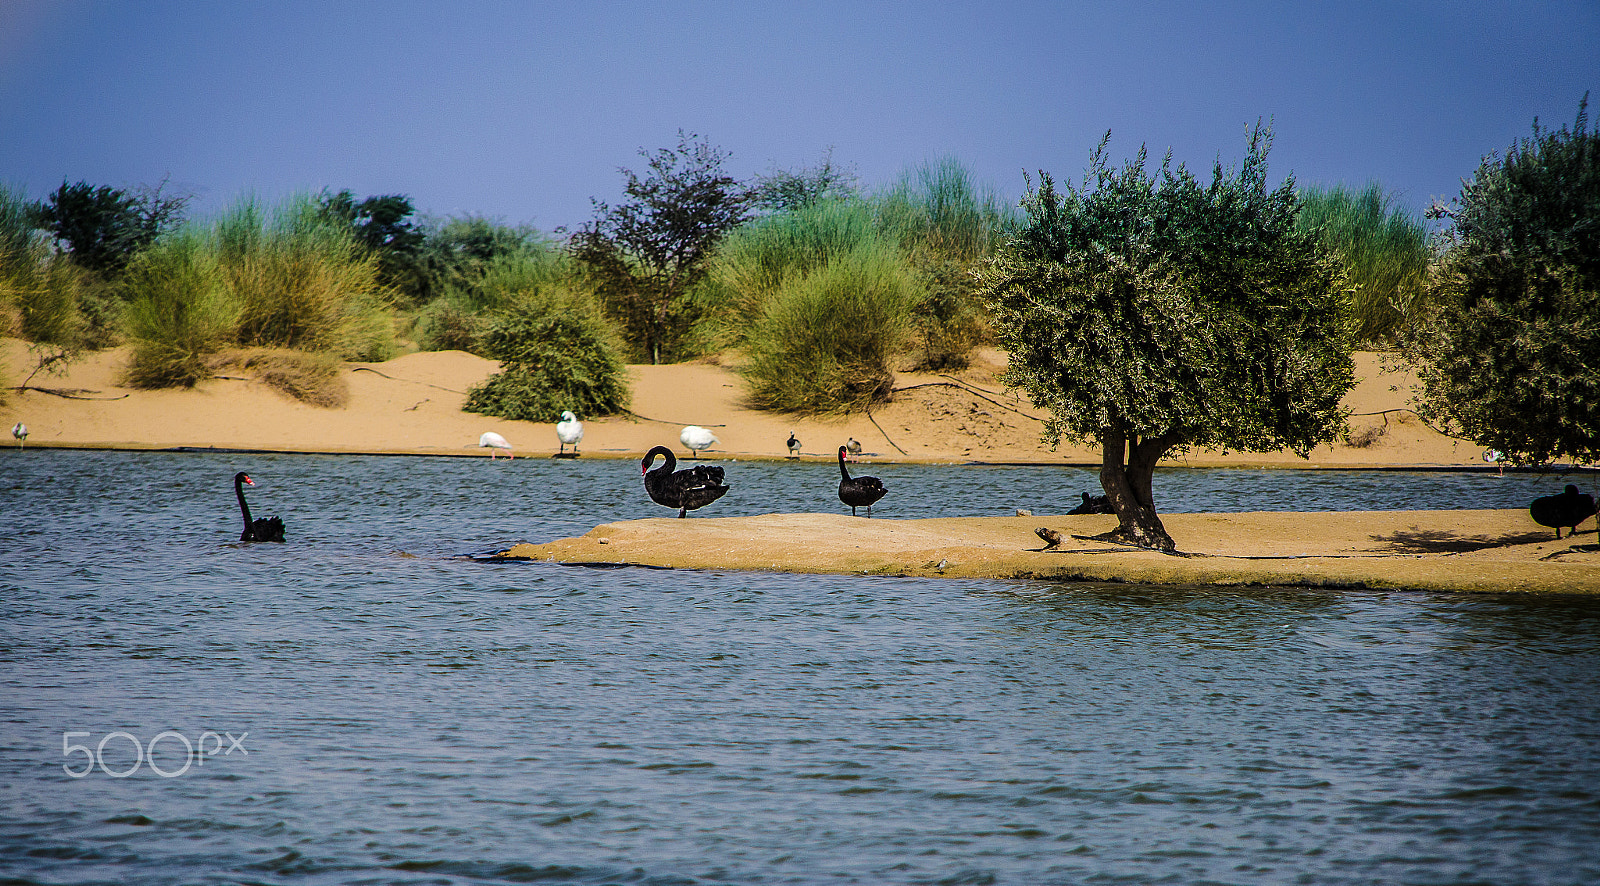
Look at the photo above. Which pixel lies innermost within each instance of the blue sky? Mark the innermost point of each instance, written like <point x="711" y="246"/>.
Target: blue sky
<point x="523" y="111"/>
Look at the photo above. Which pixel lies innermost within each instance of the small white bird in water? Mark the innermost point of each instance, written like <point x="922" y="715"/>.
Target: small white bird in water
<point x="20" y="431"/>
<point x="697" y="438"/>
<point x="569" y="431"/>
<point x="494" y="442"/>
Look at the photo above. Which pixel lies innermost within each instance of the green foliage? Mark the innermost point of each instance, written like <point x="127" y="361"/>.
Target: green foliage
<point x="253" y="278"/>
<point x="1152" y="313"/>
<point x="456" y="253"/>
<point x="459" y="319"/>
<point x="790" y="190"/>
<point x="39" y="292"/>
<point x="104" y="227"/>
<point x="947" y="224"/>
<point x="1384" y="249"/>
<point x="756" y="261"/>
<point x="180" y="314"/>
<point x="1507" y="353"/>
<point x="647" y="253"/>
<point x="824" y="339"/>
<point x="381" y="225"/>
<point x="558" y="353"/>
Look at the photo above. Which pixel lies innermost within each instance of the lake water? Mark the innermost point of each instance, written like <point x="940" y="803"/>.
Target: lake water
<point x="368" y="707"/>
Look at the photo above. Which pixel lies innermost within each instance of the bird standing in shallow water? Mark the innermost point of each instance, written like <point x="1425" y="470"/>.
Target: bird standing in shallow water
<point x="569" y="431"/>
<point x="261" y="528"/>
<point x="696" y="438"/>
<point x="794" y="445"/>
<point x="686" y="490"/>
<point x="20" y="431"/>
<point x="494" y="443"/>
<point x="1567" y="509"/>
<point x="857" y="492"/>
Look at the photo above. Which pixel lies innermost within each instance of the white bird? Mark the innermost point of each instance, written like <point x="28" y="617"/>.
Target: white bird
<point x="20" y="431"/>
<point x="794" y="445"/>
<point x="494" y="442"/>
<point x="569" y="431"/>
<point x="853" y="446"/>
<point x="697" y="438"/>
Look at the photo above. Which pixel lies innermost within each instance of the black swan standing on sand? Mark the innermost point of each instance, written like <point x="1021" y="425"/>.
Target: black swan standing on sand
<point x="857" y="492"/>
<point x="262" y="529"/>
<point x="1567" y="509"/>
<point x="686" y="490"/>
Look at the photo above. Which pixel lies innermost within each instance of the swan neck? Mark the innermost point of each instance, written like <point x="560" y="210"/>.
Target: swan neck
<point x="244" y="509"/>
<point x="843" y="471"/>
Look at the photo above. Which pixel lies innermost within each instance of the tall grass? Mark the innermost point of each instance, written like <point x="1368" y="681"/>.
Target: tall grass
<point x="758" y="260"/>
<point x="254" y="278"/>
<point x="937" y="207"/>
<point x="1384" y="249"/>
<point x="460" y="317"/>
<point x="180" y="314"/>
<point x="39" y="292"/>
<point x="824" y="341"/>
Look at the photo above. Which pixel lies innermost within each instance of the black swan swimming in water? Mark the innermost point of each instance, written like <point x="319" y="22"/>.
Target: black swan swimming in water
<point x="857" y="492"/>
<point x="262" y="529"/>
<point x="686" y="490"/>
<point x="1567" y="509"/>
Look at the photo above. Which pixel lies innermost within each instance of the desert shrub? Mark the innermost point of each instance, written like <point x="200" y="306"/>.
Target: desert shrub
<point x="179" y="312"/>
<point x="304" y="284"/>
<point x="309" y="378"/>
<point x="1384" y="249"/>
<point x="946" y="223"/>
<point x="760" y="258"/>
<point x="459" y="319"/>
<point x="558" y="353"/>
<point x="824" y="341"/>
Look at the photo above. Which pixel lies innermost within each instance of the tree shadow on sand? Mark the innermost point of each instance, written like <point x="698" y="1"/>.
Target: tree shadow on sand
<point x="1442" y="541"/>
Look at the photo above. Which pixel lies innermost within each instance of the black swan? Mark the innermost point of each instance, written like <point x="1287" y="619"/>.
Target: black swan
<point x="686" y="490"/>
<point x="1093" y="504"/>
<point x="262" y="529"/>
<point x="1567" y="509"/>
<point x="857" y="492"/>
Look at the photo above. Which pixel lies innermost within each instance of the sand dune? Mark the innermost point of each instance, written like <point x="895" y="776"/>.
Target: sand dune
<point x="412" y="404"/>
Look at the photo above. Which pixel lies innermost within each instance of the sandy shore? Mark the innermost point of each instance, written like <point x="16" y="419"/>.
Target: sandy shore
<point x="1474" y="551"/>
<point x="412" y="405"/>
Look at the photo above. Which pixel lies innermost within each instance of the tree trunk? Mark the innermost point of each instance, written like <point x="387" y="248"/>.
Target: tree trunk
<point x="1126" y="482"/>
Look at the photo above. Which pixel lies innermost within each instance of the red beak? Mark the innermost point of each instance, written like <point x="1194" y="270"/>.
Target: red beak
<point x="249" y="482"/>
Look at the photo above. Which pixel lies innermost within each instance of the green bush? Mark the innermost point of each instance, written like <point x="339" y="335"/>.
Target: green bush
<point x="824" y="341"/>
<point x="180" y="312"/>
<point x="756" y="261"/>
<point x="557" y="354"/>
<point x="1384" y="249"/>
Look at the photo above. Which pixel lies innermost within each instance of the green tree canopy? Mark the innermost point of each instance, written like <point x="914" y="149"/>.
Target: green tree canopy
<point x="646" y="253"/>
<point x="103" y="227"/>
<point x="1151" y="313"/>
<point x="1509" y="355"/>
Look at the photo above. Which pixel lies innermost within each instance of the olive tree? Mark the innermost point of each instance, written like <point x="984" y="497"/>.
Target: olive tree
<point x="1151" y="313"/>
<point x="1509" y="355"/>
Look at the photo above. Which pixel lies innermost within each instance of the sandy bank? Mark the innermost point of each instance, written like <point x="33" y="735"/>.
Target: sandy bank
<point x="412" y="405"/>
<point x="1488" y="551"/>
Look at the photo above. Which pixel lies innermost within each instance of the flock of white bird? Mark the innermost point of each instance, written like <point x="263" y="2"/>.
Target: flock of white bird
<point x="569" y="431"/>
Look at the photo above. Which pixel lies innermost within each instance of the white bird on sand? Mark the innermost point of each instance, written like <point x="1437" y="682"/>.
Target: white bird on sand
<point x="494" y="442"/>
<point x="569" y="431"/>
<point x="854" y="446"/>
<point x="20" y="431"/>
<point x="697" y="438"/>
<point x="794" y="445"/>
